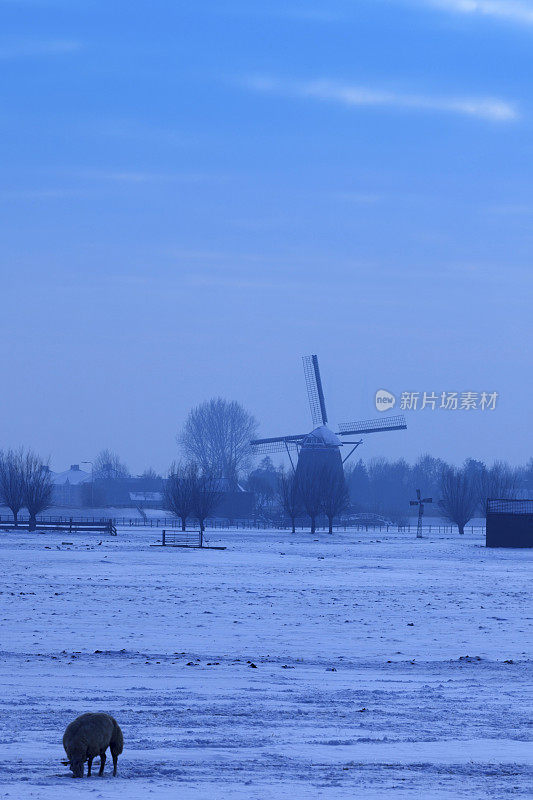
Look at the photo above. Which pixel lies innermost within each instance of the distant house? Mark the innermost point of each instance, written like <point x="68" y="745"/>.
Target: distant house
<point x="140" y="491"/>
<point x="74" y="488"/>
<point x="68" y="486"/>
<point x="235" y="502"/>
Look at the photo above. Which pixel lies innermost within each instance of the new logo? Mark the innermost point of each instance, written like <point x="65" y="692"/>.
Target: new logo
<point x="384" y="400"/>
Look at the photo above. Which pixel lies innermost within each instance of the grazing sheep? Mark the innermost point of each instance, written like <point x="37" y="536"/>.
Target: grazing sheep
<point x="89" y="736"/>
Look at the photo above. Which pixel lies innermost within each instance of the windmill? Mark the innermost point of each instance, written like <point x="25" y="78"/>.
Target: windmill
<point x="322" y="447"/>
<point x="420" y="503"/>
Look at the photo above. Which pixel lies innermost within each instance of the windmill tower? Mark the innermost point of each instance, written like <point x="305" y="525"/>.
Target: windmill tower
<point x="322" y="447"/>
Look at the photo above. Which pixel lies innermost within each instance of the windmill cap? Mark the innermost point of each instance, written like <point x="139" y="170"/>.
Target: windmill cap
<point x="322" y="437"/>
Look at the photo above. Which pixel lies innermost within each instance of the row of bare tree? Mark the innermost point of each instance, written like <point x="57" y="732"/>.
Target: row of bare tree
<point x="25" y="482"/>
<point x="191" y="492"/>
<point x="316" y="492"/>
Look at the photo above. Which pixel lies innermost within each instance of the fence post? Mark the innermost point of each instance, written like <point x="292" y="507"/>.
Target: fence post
<point x="163" y="540"/>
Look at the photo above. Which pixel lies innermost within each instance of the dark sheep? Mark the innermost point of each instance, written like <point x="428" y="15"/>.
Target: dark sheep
<point x="89" y="736"/>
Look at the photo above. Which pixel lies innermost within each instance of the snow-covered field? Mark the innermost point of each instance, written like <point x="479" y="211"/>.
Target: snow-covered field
<point x="384" y="666"/>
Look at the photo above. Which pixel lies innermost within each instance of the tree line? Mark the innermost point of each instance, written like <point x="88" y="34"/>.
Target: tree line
<point x="215" y="445"/>
<point x="384" y="488"/>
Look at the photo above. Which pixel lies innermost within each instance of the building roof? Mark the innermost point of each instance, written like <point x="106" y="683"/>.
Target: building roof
<point x="72" y="476"/>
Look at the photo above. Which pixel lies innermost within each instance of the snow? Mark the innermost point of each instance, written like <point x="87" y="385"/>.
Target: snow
<point x="380" y="665"/>
<point x="84" y="512"/>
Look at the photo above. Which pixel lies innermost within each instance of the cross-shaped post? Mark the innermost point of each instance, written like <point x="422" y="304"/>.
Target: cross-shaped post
<point x="420" y="503"/>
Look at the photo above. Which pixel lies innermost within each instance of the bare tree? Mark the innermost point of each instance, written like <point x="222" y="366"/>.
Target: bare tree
<point x="290" y="495"/>
<point x="108" y="466"/>
<point x="206" y="495"/>
<point x="335" y="495"/>
<point x="179" y="491"/>
<point x="217" y="436"/>
<point x="458" y="497"/>
<point x="150" y="474"/>
<point x="12" y="481"/>
<point x="311" y="483"/>
<point x="37" y="486"/>
<point x="499" y="482"/>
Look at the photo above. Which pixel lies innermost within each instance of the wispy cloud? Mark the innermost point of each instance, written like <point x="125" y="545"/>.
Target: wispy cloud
<point x="359" y="96"/>
<point x="358" y="198"/>
<point x="319" y="11"/>
<point x="29" y="48"/>
<point x="520" y="11"/>
<point x="306" y="14"/>
<point x="513" y="210"/>
<point x="35" y="194"/>
<point x="135" y="129"/>
<point x="132" y="177"/>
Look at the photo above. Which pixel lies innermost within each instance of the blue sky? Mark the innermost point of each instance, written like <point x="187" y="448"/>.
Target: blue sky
<point x="194" y="194"/>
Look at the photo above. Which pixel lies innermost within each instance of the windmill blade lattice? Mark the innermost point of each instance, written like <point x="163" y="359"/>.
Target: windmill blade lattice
<point x="396" y="423"/>
<point x="273" y="447"/>
<point x="276" y="444"/>
<point x="314" y="390"/>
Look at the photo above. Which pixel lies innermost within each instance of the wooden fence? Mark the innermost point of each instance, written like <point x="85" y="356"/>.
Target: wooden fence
<point x="172" y="523"/>
<point x="72" y="526"/>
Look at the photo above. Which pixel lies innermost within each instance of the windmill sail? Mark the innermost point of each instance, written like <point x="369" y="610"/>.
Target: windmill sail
<point x="314" y="390"/>
<point x="276" y="444"/>
<point x="396" y="423"/>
